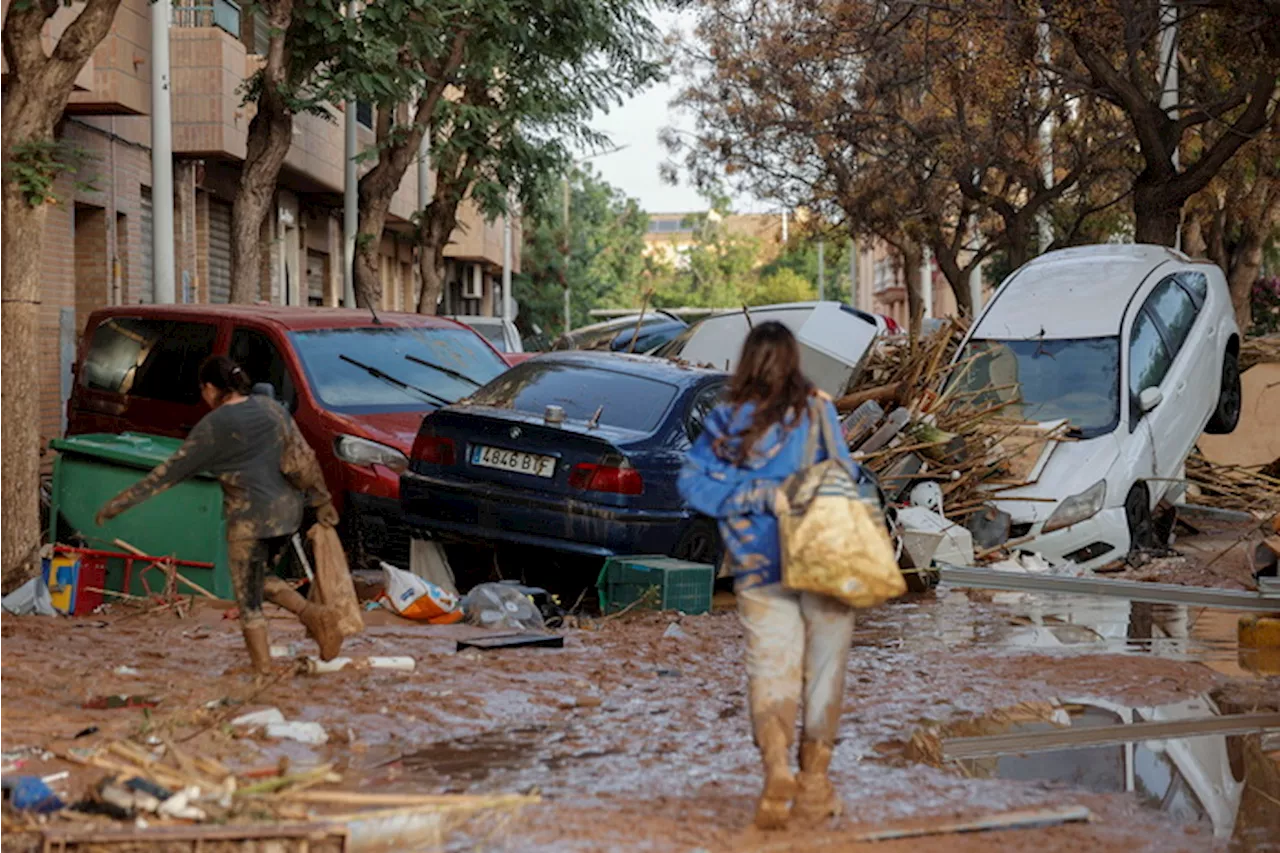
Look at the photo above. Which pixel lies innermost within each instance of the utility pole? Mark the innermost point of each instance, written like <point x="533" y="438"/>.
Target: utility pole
<point x="1046" y="137"/>
<point x="1169" y="84"/>
<point x="854" y="296"/>
<point x="507" y="302"/>
<point x="424" y="198"/>
<point x="350" y="194"/>
<point x="162" y="251"/>
<point x="784" y="227"/>
<point x="926" y="281"/>
<point x="568" y="319"/>
<point x="822" y="269"/>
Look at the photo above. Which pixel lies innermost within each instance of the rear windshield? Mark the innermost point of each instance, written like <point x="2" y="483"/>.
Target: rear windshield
<point x="156" y="359"/>
<point x="628" y="401"/>
<point x="492" y="333"/>
<point x="380" y="369"/>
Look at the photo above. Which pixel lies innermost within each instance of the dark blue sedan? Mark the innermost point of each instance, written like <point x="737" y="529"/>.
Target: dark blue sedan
<point x="574" y="451"/>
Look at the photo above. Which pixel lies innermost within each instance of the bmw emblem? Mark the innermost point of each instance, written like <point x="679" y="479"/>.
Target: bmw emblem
<point x="515" y="432"/>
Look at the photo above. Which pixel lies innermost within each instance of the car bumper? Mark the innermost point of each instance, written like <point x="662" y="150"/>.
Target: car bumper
<point x="494" y="514"/>
<point x="1092" y="543"/>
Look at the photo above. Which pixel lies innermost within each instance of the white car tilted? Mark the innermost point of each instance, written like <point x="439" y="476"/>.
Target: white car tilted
<point x="1135" y="347"/>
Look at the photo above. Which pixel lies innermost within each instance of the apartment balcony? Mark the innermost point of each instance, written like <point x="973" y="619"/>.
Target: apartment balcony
<point x="52" y="30"/>
<point x="478" y="241"/>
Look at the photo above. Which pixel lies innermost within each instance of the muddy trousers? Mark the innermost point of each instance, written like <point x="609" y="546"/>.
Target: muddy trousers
<point x="797" y="651"/>
<point x="251" y="563"/>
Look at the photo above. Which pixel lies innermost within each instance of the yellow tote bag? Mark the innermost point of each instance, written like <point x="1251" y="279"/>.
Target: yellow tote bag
<point x="833" y="541"/>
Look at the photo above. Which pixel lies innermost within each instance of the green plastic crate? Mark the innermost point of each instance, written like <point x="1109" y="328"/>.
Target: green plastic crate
<point x="185" y="522"/>
<point x="681" y="585"/>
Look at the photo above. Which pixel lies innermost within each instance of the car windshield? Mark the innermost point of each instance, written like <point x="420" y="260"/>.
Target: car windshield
<point x="381" y="369"/>
<point x="1045" y="380"/>
<point x="623" y="399"/>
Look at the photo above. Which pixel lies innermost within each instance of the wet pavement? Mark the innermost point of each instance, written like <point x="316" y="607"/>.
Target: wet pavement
<point x="638" y="741"/>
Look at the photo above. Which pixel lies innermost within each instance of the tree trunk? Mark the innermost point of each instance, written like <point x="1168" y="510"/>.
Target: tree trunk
<point x="912" y="257"/>
<point x="267" y="145"/>
<point x="270" y="134"/>
<point x="957" y="276"/>
<point x="20" y="425"/>
<point x="38" y="87"/>
<point x="1157" y="213"/>
<point x="438" y="222"/>
<point x="1243" y="275"/>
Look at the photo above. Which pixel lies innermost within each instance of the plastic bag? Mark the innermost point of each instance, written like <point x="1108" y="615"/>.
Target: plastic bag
<point x="417" y="599"/>
<point x="497" y="605"/>
<point x="32" y="598"/>
<point x="333" y="587"/>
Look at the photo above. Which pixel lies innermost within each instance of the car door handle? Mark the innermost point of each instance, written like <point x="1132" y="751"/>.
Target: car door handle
<point x="1182" y="386"/>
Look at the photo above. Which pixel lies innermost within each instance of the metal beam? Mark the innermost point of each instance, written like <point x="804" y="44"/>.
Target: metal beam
<point x="1154" y="593"/>
<point x="986" y="746"/>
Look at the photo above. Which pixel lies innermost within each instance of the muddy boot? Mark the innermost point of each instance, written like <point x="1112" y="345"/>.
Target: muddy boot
<point x="259" y="646"/>
<point x="322" y="626"/>
<point x="816" y="799"/>
<point x="321" y="622"/>
<point x="779" y="781"/>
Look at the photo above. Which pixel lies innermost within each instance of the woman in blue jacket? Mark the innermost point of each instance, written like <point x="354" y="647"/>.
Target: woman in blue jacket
<point x="797" y="643"/>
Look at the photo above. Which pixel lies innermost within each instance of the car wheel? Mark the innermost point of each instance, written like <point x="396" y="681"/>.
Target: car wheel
<point x="1227" y="413"/>
<point x="1137" y="512"/>
<point x="699" y="544"/>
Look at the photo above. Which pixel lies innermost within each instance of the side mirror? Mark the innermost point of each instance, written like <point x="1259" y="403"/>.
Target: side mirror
<point x="1150" y="398"/>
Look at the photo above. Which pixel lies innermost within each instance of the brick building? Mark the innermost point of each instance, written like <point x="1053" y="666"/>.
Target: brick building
<point x="97" y="247"/>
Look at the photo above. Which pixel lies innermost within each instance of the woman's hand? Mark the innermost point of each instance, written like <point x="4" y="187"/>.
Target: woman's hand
<point x="327" y="514"/>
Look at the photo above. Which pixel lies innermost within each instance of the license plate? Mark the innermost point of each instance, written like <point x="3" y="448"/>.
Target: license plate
<point x="514" y="461"/>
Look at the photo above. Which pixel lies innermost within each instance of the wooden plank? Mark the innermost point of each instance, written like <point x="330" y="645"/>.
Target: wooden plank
<point x="1076" y="738"/>
<point x="1021" y="819"/>
<point x="314" y="831"/>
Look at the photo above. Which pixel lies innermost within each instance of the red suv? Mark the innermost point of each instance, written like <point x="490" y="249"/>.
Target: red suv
<point x="358" y="388"/>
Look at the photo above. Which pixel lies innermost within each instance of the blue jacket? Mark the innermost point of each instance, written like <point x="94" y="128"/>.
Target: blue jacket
<point x="740" y="497"/>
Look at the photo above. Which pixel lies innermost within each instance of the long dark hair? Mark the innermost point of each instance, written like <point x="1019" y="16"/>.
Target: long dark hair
<point x="769" y="376"/>
<point x="225" y="375"/>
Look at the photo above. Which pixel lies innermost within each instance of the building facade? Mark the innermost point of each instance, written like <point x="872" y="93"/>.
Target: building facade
<point x="98" y="240"/>
<point x="882" y="284"/>
<point x="671" y="235"/>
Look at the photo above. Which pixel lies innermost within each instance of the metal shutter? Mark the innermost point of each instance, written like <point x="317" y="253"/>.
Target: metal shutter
<point x="317" y="271"/>
<point x="147" y="292"/>
<point x="219" y="251"/>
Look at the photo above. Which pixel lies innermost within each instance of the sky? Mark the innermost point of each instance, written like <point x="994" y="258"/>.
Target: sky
<point x="636" y="125"/>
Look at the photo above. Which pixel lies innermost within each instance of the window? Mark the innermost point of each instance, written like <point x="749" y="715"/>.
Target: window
<point x="157" y="359"/>
<point x="1043" y="380"/>
<point x="706" y="400"/>
<point x="255" y="352"/>
<point x="1149" y="360"/>
<point x="1175" y="311"/>
<point x="1196" y="284"/>
<point x="624" y="400"/>
<point x="394" y="368"/>
<point x="364" y="114"/>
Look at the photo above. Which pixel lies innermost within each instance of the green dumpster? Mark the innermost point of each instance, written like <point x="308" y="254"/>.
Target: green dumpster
<point x="185" y="522"/>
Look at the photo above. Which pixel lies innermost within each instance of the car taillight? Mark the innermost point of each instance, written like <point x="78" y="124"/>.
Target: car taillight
<point x="434" y="449"/>
<point x="606" y="478"/>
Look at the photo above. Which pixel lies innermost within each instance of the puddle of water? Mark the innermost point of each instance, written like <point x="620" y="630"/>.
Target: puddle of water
<point x="1230" y="782"/>
<point x="1065" y="624"/>
<point x="506" y="759"/>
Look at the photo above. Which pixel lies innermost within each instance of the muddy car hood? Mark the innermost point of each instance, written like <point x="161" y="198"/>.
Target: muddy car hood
<point x="1072" y="467"/>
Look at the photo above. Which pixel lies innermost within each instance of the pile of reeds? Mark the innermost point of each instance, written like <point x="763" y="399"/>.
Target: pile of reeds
<point x="1249" y="489"/>
<point x="964" y="440"/>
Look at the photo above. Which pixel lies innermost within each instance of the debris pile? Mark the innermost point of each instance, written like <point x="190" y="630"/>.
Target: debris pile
<point x="159" y="791"/>
<point x="1261" y="350"/>
<point x="909" y="424"/>
<point x="1248" y="489"/>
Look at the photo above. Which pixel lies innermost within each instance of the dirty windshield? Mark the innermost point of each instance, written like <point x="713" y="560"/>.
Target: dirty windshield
<point x="1046" y="380"/>
<point x="338" y="363"/>
<point x="628" y="401"/>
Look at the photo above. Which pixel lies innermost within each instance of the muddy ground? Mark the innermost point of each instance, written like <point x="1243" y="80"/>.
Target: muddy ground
<point x="639" y="741"/>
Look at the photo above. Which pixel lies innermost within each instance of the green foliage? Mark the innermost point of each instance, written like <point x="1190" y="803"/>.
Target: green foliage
<point x="606" y="253"/>
<point x="782" y="285"/>
<point x="35" y="167"/>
